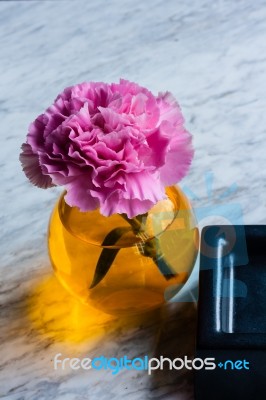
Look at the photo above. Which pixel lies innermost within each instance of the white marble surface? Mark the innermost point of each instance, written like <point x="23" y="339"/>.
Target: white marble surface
<point x="212" y="56"/>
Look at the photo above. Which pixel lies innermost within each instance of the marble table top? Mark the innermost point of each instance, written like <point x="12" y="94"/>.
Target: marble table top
<point x="211" y="56"/>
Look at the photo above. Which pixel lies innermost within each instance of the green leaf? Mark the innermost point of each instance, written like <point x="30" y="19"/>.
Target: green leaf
<point x="107" y="255"/>
<point x="150" y="251"/>
<point x="164" y="268"/>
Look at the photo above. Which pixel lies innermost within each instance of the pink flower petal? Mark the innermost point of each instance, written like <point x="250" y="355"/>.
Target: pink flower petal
<point x="32" y="168"/>
<point x="178" y="159"/>
<point x="78" y="194"/>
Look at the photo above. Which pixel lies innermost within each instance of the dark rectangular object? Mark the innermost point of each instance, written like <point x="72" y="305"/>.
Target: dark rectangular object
<point x="232" y="313"/>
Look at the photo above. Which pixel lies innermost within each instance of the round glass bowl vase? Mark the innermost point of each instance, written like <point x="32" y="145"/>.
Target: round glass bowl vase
<point x="109" y="264"/>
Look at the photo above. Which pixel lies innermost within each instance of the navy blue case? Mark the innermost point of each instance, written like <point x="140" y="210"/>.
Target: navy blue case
<point x="232" y="313"/>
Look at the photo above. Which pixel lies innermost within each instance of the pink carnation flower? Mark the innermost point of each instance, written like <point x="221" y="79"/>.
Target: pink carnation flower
<point x="113" y="146"/>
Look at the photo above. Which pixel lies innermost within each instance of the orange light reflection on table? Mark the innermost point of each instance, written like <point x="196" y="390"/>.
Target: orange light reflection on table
<point x="57" y="315"/>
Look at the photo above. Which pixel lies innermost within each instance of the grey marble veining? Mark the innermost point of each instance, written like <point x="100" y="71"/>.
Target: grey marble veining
<point x="212" y="56"/>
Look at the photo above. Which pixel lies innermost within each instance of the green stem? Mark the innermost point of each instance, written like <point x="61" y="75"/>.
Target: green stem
<point x="148" y="248"/>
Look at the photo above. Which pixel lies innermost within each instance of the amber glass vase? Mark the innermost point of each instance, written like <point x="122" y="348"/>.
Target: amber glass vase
<point x="139" y="268"/>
